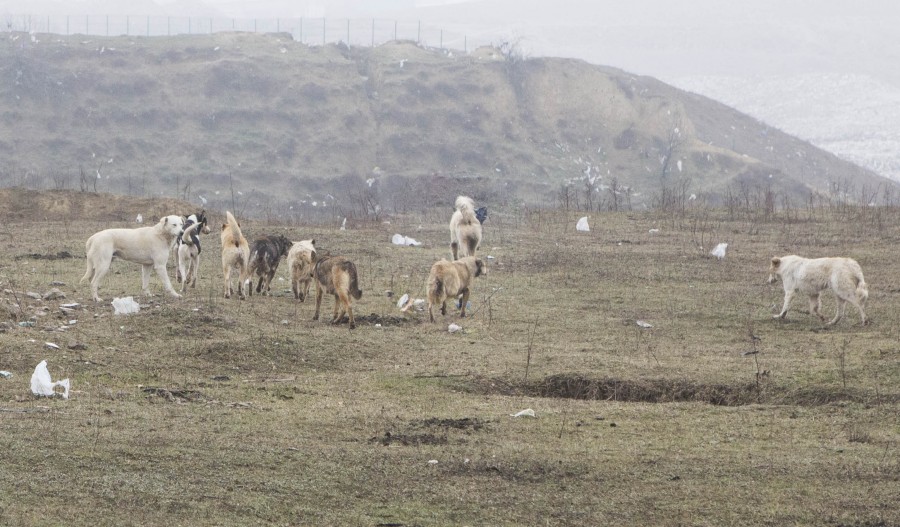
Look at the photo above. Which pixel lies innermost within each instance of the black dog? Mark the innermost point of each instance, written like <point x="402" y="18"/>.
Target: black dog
<point x="481" y="214"/>
<point x="265" y="255"/>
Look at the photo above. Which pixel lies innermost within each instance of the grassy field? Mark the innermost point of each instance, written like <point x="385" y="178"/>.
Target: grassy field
<point x="207" y="411"/>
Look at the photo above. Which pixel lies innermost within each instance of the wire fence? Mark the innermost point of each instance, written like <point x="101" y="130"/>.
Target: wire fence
<point x="311" y="31"/>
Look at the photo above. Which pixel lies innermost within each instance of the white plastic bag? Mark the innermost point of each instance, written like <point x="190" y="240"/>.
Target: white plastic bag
<point x="125" y="306"/>
<point x="582" y="225"/>
<point x="42" y="385"/>
<point x="399" y="239"/>
<point x="719" y="251"/>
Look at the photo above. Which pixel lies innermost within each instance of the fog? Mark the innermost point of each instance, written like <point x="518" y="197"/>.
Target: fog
<point x="824" y="70"/>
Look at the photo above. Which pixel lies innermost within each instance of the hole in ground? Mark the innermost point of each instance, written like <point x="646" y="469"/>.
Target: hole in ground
<point x="578" y="386"/>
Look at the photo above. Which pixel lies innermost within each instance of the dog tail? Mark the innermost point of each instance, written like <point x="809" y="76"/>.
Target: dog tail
<point x="235" y="228"/>
<point x="436" y="288"/>
<point x="188" y="233"/>
<point x="354" y="280"/>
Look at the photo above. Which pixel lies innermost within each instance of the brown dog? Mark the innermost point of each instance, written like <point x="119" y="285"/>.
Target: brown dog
<point x="235" y="255"/>
<point x="301" y="260"/>
<point x="265" y="255"/>
<point x="337" y="276"/>
<point x="450" y="280"/>
<point x="465" y="228"/>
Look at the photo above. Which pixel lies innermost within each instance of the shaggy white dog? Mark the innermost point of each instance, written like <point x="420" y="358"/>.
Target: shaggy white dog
<point x="811" y="276"/>
<point x="465" y="229"/>
<point x="148" y="246"/>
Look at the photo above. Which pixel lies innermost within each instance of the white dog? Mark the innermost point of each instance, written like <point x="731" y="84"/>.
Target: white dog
<point x="148" y="246"/>
<point x="301" y="262"/>
<point x="811" y="276"/>
<point x="465" y="229"/>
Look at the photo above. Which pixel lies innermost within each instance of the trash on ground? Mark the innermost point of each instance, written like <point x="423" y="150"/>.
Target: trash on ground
<point x="582" y="225"/>
<point x="719" y="251"/>
<point x="644" y="324"/>
<point x="125" y="306"/>
<point x="42" y="385"/>
<point x="528" y="412"/>
<point x="399" y="239"/>
<point x="654" y="231"/>
<point x="403" y="300"/>
<point x="5" y="374"/>
<point x="52" y="345"/>
<point x="453" y="328"/>
<point x="26" y="324"/>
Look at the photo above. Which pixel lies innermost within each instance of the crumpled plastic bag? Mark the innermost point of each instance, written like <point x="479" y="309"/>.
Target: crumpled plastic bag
<point x="400" y="239"/>
<point x="582" y="225"/>
<point x="42" y="385"/>
<point x="125" y="306"/>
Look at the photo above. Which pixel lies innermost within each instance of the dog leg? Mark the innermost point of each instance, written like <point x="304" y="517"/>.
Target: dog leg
<point x="815" y="305"/>
<point x="100" y="271"/>
<point x="788" y="295"/>
<point x="430" y="311"/>
<point x="164" y="278"/>
<point x="465" y="300"/>
<point x="839" y="314"/>
<point x="338" y="304"/>
<point x="318" y="300"/>
<point x="145" y="279"/>
<point x="454" y="249"/>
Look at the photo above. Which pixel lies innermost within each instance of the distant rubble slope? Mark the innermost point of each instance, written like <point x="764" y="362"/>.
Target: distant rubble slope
<point x="270" y="125"/>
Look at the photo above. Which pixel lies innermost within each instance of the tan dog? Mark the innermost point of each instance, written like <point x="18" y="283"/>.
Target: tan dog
<point x="337" y="275"/>
<point x="235" y="255"/>
<point x="811" y="276"/>
<point x="148" y="246"/>
<point x="465" y="229"/>
<point x="450" y="280"/>
<point x="301" y="260"/>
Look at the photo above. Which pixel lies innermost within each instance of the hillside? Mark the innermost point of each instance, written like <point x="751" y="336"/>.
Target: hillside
<point x="265" y="124"/>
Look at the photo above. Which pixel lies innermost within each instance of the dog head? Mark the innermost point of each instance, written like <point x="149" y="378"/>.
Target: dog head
<point x="284" y="245"/>
<point x="774" y="266"/>
<point x="480" y="267"/>
<point x="481" y="214"/>
<point x="200" y="218"/>
<point x="172" y="225"/>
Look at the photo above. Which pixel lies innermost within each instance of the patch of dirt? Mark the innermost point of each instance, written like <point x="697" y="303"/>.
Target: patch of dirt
<point x="61" y="255"/>
<point x="386" y="320"/>
<point x="577" y="386"/>
<point x="174" y="395"/>
<point x="432" y="431"/>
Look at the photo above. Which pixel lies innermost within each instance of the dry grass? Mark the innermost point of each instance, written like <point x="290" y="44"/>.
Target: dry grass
<point x="206" y="411"/>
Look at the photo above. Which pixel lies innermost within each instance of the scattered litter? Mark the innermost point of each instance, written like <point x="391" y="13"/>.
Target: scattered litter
<point x="403" y="300"/>
<point x="125" y="306"/>
<point x="139" y="219"/>
<point x="644" y="324"/>
<point x="582" y="225"/>
<point x="432" y="461"/>
<point x="719" y="251"/>
<point x="653" y="231"/>
<point x="377" y="325"/>
<point x="5" y="374"/>
<point x="489" y="257"/>
<point x="73" y="305"/>
<point x="419" y="304"/>
<point x="453" y="328"/>
<point x="26" y="324"/>
<point x="399" y="239"/>
<point x="73" y="322"/>
<point x="344" y="225"/>
<point x="528" y="412"/>
<point x="42" y="385"/>
<point x="52" y="345"/>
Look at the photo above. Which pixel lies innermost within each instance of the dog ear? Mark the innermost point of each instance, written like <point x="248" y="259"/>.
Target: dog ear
<point x="776" y="261"/>
<point x="312" y="242"/>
